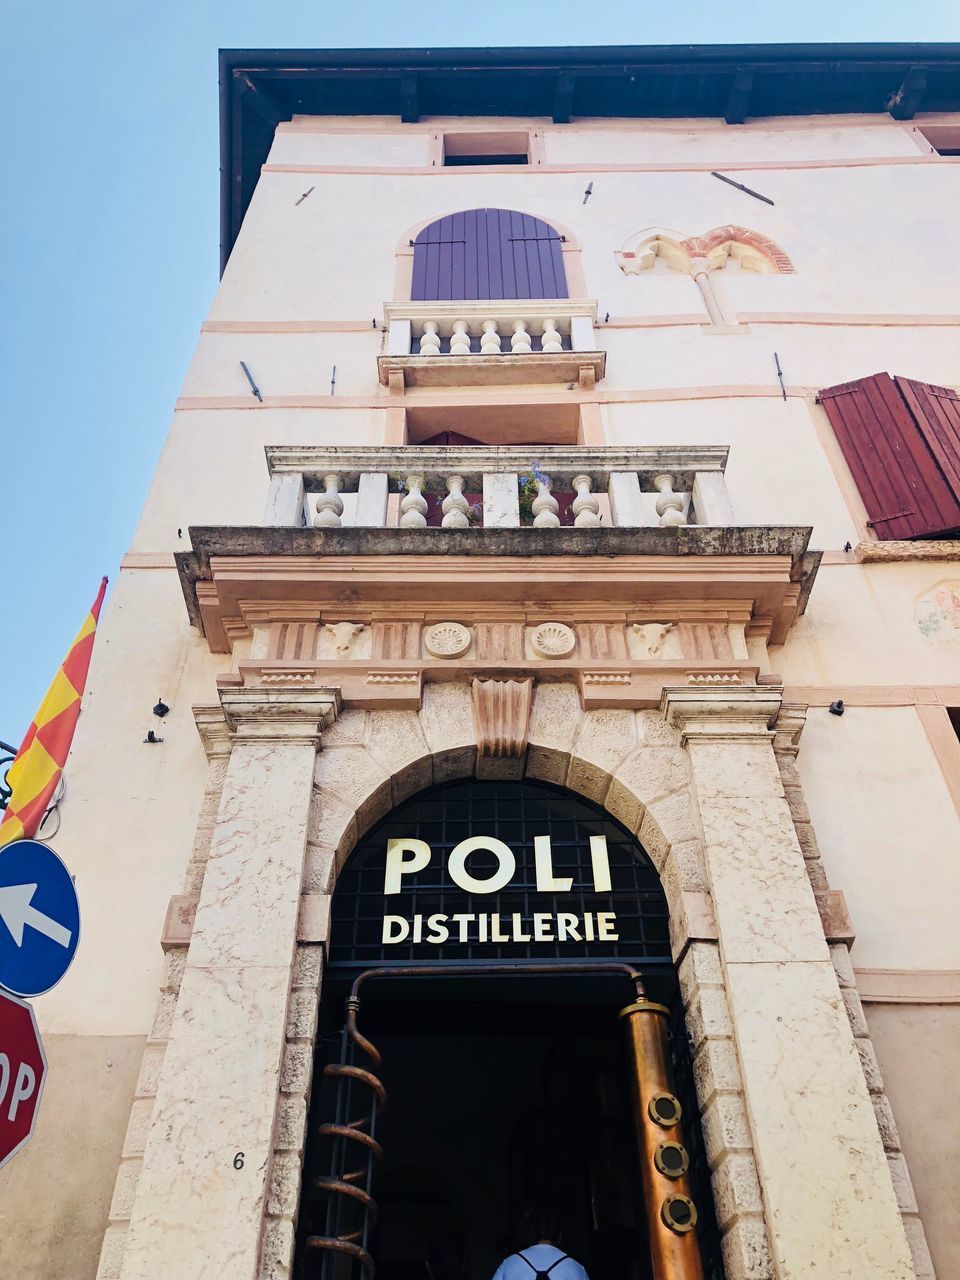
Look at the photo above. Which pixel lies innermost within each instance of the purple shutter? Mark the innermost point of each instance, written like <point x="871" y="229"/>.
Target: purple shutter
<point x="487" y="253"/>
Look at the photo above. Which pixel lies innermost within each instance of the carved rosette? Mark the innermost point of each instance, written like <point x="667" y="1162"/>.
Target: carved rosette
<point x="447" y="640"/>
<point x="553" y="640"/>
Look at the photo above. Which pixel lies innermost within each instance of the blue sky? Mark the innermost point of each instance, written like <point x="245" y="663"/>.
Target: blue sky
<point x="109" y="238"/>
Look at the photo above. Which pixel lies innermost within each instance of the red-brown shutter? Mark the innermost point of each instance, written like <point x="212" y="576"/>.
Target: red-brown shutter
<point x="901" y="440"/>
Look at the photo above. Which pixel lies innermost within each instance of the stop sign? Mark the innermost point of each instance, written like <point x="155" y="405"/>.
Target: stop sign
<point x="22" y="1071"/>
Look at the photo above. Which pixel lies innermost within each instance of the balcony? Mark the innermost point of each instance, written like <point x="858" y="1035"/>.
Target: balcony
<point x="419" y="487"/>
<point x="617" y="568"/>
<point x="448" y="344"/>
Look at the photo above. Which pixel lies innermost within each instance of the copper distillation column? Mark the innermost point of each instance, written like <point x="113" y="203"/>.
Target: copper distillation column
<point x="671" y="1213"/>
<point x="664" y="1161"/>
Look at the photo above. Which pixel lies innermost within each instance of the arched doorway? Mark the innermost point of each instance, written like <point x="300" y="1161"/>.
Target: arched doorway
<point x="487" y="253"/>
<point x="499" y="971"/>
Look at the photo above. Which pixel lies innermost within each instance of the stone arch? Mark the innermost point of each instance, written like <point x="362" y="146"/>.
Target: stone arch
<point x="628" y="762"/>
<point x="710" y="251"/>
<point x="632" y="764"/>
<point x="571" y="249"/>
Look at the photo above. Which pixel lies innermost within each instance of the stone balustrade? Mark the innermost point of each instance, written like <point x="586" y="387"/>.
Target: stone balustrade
<point x="529" y="340"/>
<point x="416" y="486"/>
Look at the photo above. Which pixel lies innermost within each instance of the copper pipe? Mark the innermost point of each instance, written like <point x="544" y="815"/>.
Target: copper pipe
<point x="674" y="1256"/>
<point x="469" y="969"/>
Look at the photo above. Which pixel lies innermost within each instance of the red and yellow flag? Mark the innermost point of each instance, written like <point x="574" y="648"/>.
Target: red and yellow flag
<point x="36" y="769"/>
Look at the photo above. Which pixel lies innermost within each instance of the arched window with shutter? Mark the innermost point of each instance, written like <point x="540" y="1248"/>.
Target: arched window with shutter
<point x="488" y="253"/>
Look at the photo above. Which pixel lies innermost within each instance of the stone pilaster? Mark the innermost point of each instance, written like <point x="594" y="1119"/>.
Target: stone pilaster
<point x="207" y="1162"/>
<point x="827" y="1193"/>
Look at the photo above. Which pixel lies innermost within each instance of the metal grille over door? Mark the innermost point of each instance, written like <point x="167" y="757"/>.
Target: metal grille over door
<point x="487" y="253"/>
<point x="516" y="813"/>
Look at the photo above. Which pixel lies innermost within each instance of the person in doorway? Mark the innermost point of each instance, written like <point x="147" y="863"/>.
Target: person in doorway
<point x="540" y="1256"/>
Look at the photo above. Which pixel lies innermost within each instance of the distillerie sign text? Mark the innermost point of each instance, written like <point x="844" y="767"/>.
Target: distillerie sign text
<point x="408" y="857"/>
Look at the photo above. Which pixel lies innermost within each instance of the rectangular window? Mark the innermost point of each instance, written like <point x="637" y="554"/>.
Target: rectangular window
<point x="943" y="138"/>
<point x="479" y="148"/>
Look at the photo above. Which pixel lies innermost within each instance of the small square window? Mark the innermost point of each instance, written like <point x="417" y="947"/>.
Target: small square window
<point x="943" y="138"/>
<point x="477" y="148"/>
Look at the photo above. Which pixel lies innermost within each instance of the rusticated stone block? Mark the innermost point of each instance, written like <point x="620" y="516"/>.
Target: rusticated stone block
<point x="302" y="1015"/>
<point x="314" y="920"/>
<point x="308" y="966"/>
<point x="736" y="1188"/>
<point x="919" y="1250"/>
<point x="178" y="922"/>
<point x="746" y="1251"/>
<point x="291" y="1123"/>
<point x="277" y="1255"/>
<point x="902" y="1184"/>
<point x="284" y="1189"/>
<point x="716" y="1069"/>
<point x="708" y="1017"/>
<point x="885" y="1121"/>
<point x="725" y="1127"/>
<point x="700" y="967"/>
<point x="834" y="916"/>
<point x="297" y="1069"/>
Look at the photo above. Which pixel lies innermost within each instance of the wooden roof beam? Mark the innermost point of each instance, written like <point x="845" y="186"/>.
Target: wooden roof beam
<point x="905" y="103"/>
<point x="563" y="99"/>
<point x="409" y="99"/>
<point x="262" y="101"/>
<point x="738" y="103"/>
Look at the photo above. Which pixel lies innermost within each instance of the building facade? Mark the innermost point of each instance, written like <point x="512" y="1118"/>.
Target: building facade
<point x="552" y="575"/>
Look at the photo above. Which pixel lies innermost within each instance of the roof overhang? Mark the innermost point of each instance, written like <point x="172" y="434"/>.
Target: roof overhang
<point x="261" y="87"/>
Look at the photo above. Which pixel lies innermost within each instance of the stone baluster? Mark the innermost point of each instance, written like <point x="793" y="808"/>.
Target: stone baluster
<point x="520" y="342"/>
<point x="460" y="339"/>
<point x="586" y="508"/>
<point x="489" y="338"/>
<point x="669" y="504"/>
<point x="551" y="340"/>
<point x="413" y="507"/>
<point x="329" y="504"/>
<point x="455" y="505"/>
<point x="545" y="505"/>
<point x="430" y="339"/>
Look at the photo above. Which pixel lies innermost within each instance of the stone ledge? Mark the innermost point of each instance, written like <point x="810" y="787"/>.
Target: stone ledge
<point x="886" y="552"/>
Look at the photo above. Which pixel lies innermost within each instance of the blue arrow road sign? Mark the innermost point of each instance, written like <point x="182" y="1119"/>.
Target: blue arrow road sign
<point x="39" y="918"/>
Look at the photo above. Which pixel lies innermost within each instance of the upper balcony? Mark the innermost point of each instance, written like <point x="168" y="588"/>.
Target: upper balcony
<point x="448" y="344"/>
<point x="475" y="486"/>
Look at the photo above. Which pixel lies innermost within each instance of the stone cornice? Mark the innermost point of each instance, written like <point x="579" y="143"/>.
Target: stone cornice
<point x="281" y="574"/>
<point x="215" y="732"/>
<point x="279" y="715"/>
<point x="723" y="713"/>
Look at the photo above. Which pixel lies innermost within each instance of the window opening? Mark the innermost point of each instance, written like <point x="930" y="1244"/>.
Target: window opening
<point x="455" y="161"/>
<point x="943" y="139"/>
<point x="507" y="146"/>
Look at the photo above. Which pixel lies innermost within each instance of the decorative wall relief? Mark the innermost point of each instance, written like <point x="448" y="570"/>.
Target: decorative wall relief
<point x="553" y="640"/>
<point x="937" y="615"/>
<point x="343" y="640"/>
<point x="447" y="640"/>
<point x="653" y="640"/>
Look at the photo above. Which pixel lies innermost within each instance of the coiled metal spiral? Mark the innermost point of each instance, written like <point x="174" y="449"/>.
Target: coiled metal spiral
<point x="351" y="1138"/>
